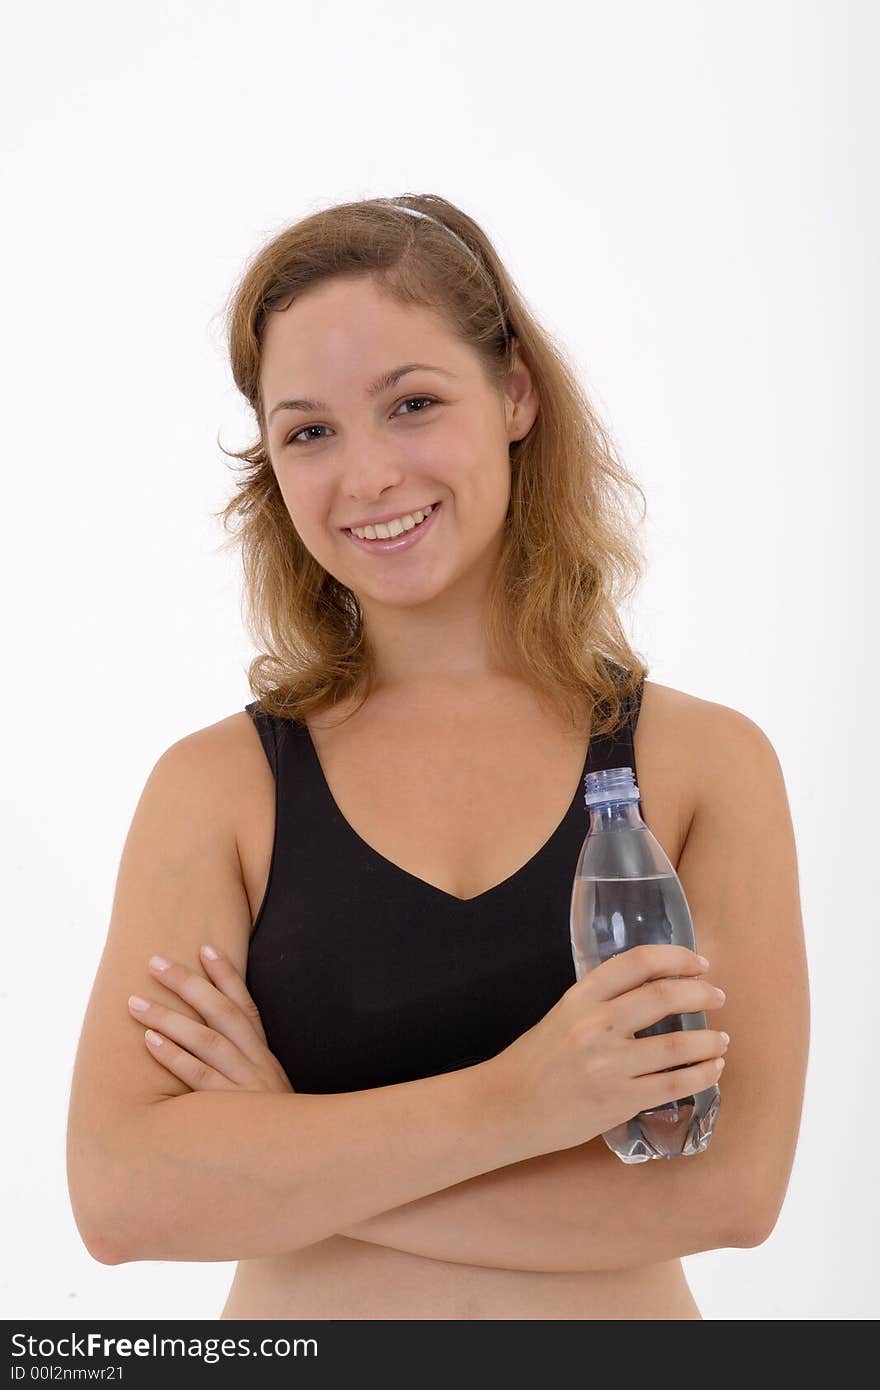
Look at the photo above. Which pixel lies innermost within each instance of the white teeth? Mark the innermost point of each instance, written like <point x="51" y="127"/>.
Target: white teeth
<point x="386" y="529"/>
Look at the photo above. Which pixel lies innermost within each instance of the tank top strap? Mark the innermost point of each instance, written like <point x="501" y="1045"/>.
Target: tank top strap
<point x="265" y="726"/>
<point x="617" y="748"/>
<point x="304" y="822"/>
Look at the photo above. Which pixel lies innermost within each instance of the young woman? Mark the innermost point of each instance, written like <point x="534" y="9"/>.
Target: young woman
<point x="383" y="1090"/>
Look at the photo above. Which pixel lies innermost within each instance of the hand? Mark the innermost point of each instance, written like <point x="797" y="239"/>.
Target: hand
<point x="580" y="1071"/>
<point x="230" y="1053"/>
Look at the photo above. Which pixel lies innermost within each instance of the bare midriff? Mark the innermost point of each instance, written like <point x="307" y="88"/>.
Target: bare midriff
<point x="420" y="829"/>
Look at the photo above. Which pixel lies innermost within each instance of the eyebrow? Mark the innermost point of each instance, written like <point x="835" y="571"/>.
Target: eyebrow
<point x="384" y="383"/>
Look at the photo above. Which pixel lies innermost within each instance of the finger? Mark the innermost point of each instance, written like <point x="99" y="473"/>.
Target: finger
<point x="195" y="1074"/>
<point x="665" y="1051"/>
<point x="658" y="999"/>
<point x="202" y="1043"/>
<point x="679" y="1083"/>
<point x="228" y="979"/>
<point x="637" y="964"/>
<point x="215" y="1007"/>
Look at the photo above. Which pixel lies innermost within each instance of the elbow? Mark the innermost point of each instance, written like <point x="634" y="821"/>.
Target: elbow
<point x="115" y="1193"/>
<point x="102" y="1230"/>
<point x="107" y="1239"/>
<point x="102" y="1248"/>
<point x="752" y="1239"/>
<point x="108" y="1235"/>
<point x="756" y="1232"/>
<point x="755" y="1226"/>
<point x="97" y="1231"/>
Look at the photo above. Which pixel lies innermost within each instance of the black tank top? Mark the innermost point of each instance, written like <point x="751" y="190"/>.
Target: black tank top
<point x="365" y="975"/>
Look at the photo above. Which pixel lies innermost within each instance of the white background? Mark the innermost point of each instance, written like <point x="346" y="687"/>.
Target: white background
<point x="686" y="194"/>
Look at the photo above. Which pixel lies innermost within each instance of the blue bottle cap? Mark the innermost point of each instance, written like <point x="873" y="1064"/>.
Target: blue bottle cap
<point x="612" y="784"/>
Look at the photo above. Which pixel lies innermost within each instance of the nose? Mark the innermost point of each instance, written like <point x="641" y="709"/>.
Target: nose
<point x="368" y="471"/>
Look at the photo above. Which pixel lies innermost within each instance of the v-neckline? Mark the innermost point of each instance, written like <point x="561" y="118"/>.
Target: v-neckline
<point x="423" y="882"/>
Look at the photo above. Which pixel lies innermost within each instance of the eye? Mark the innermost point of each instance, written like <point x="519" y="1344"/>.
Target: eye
<point x="410" y="400"/>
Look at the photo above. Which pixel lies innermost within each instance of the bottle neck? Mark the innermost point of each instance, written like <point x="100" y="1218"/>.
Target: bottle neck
<point x="616" y="815"/>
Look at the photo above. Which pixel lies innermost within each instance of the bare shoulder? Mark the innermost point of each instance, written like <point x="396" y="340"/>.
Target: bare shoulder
<point x="714" y="733"/>
<point x="224" y="764"/>
<point x="226" y="747"/>
<point x="704" y="746"/>
<point x="232" y="770"/>
<point x="665" y="711"/>
<point x="685" y="716"/>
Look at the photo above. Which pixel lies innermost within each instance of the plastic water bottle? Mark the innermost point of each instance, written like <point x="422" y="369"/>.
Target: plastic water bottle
<point x="626" y="893"/>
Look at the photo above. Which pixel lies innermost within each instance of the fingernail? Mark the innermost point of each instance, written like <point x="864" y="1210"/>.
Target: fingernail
<point x="702" y="960"/>
<point x="209" y="953"/>
<point x="136" y="1002"/>
<point x="159" y="963"/>
<point x="155" y="1038"/>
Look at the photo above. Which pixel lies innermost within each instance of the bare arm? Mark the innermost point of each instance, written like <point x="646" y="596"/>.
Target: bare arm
<point x="223" y="1176"/>
<point x="579" y="1209"/>
<point x="582" y="1208"/>
<point x="157" y="1171"/>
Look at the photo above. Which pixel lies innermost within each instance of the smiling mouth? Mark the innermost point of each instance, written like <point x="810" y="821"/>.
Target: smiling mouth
<point x="394" y="536"/>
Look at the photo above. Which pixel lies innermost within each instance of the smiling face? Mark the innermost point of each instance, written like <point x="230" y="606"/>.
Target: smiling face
<point x="372" y="450"/>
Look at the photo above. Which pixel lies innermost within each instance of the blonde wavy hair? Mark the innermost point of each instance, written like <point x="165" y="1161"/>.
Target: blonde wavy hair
<point x="569" y="553"/>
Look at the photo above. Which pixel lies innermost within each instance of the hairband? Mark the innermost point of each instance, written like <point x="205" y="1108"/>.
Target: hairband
<point x="415" y="212"/>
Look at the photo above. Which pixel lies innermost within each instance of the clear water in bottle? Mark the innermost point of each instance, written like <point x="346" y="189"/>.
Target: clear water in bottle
<point x="626" y="893"/>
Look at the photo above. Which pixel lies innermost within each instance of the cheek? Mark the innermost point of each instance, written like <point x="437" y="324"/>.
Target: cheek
<point x="307" y="499"/>
<point x="481" y="476"/>
<point x="457" y="460"/>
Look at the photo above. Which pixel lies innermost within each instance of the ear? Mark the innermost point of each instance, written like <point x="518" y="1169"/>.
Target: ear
<point x="521" y="399"/>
